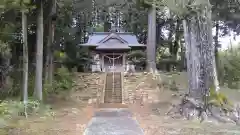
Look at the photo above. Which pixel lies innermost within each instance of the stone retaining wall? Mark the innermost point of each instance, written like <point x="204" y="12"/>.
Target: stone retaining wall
<point x="140" y="88"/>
<point x="89" y="87"/>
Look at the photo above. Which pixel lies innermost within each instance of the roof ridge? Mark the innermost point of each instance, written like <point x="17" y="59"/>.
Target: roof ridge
<point x="112" y="35"/>
<point x="118" y="33"/>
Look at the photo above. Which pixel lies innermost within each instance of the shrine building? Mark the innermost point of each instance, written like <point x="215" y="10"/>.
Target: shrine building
<point x="109" y="50"/>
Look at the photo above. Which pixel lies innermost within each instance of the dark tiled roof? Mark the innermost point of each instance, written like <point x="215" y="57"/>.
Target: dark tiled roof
<point x="112" y="46"/>
<point x="96" y="38"/>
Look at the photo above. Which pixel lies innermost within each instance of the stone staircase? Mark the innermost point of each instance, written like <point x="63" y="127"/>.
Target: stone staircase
<point x="112" y="117"/>
<point x="113" y="88"/>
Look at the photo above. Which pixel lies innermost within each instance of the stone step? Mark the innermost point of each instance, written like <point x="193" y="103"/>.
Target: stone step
<point x="113" y="88"/>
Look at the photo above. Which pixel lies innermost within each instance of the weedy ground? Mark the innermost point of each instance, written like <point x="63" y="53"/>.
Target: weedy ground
<point x="153" y="119"/>
<point x="71" y="112"/>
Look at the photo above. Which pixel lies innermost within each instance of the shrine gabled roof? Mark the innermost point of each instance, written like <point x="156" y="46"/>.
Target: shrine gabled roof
<point x="101" y="38"/>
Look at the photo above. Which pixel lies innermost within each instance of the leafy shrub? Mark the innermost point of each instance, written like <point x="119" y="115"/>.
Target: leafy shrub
<point x="229" y="67"/>
<point x="5" y="50"/>
<point x="15" y="85"/>
<point x="10" y="110"/>
<point x="218" y="99"/>
<point x="17" y="108"/>
<point x="62" y="81"/>
<point x="137" y="58"/>
<point x="76" y="57"/>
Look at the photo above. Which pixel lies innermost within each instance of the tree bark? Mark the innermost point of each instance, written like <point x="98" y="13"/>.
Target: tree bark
<point x="201" y="64"/>
<point x="49" y="56"/>
<point x="216" y="61"/>
<point x="49" y="42"/>
<point x="175" y="45"/>
<point x="25" y="58"/>
<point x="216" y="40"/>
<point x="151" y="40"/>
<point x="183" y="58"/>
<point x="216" y="52"/>
<point x="39" y="53"/>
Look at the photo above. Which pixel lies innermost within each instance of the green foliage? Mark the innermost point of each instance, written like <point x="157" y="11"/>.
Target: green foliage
<point x="11" y="110"/>
<point x="31" y="83"/>
<point x="230" y="67"/>
<point x="144" y="3"/>
<point x="77" y="57"/>
<point x="15" y="4"/>
<point x="62" y="81"/>
<point x="59" y="56"/>
<point x="162" y="53"/>
<point x="165" y="60"/>
<point x="218" y="99"/>
<point x="16" y="108"/>
<point x="15" y="85"/>
<point x="137" y="57"/>
<point x="180" y="7"/>
<point x="5" y="50"/>
<point x="99" y="28"/>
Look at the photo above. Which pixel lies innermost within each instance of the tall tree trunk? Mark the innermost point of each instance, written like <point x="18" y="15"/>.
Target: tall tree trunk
<point x="107" y="26"/>
<point x="170" y="42"/>
<point x="216" y="65"/>
<point x="216" y="51"/>
<point x="158" y="33"/>
<point x="177" y="39"/>
<point x="183" y="58"/>
<point x="151" y="40"/>
<point x="51" y="57"/>
<point x="25" y="57"/>
<point x="216" y="40"/>
<point x="49" y="42"/>
<point x="200" y="54"/>
<point x="39" y="53"/>
<point x="176" y="43"/>
<point x="4" y="73"/>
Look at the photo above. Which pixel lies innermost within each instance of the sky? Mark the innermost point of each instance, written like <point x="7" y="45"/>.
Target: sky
<point x="227" y="40"/>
